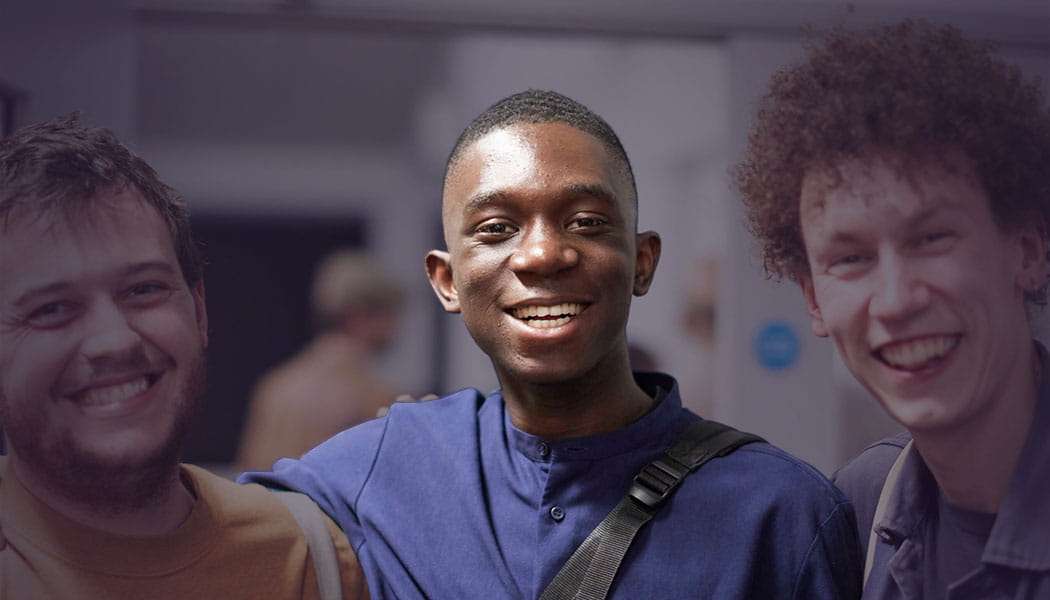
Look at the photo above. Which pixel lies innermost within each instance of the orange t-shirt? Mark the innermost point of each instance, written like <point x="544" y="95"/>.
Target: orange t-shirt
<point x="238" y="542"/>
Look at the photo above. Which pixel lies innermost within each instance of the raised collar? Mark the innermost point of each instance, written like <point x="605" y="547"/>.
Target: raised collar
<point x="1019" y="537"/>
<point x="654" y="428"/>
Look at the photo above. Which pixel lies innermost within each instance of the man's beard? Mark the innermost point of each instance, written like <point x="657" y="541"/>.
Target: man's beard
<point x="103" y="484"/>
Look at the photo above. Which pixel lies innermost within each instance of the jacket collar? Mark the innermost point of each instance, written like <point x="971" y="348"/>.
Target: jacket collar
<point x="1019" y="537"/>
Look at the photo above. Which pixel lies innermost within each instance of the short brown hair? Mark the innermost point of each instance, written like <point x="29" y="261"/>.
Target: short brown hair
<point x="60" y="164"/>
<point x="913" y="89"/>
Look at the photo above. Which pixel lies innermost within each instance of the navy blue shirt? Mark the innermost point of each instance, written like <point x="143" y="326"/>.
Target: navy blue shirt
<point x="1015" y="562"/>
<point x="447" y="499"/>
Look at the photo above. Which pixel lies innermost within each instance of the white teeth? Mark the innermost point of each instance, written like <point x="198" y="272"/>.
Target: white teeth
<point x="918" y="352"/>
<point x="114" y="393"/>
<point x="548" y="316"/>
<point x="547" y="323"/>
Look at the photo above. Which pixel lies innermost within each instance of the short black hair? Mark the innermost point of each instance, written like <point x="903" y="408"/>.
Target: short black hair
<point x="542" y="106"/>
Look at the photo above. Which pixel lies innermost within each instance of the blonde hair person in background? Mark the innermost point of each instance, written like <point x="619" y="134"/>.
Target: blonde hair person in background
<point x="332" y="383"/>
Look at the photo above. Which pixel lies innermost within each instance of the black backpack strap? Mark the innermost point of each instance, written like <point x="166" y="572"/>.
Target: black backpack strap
<point x="589" y="572"/>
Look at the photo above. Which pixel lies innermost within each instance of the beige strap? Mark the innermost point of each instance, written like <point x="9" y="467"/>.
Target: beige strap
<point x="880" y="509"/>
<point x="311" y="521"/>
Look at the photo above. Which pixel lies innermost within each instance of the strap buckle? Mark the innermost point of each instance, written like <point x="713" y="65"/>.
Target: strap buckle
<point x="657" y="480"/>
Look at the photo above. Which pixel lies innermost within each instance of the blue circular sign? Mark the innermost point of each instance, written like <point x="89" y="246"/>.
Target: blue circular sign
<point x="776" y="345"/>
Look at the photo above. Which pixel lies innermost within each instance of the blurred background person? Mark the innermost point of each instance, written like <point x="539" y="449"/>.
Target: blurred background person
<point x="333" y="382"/>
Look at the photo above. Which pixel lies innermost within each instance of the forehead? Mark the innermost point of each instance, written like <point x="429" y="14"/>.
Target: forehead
<point x="879" y="186"/>
<point x="533" y="158"/>
<point x="78" y="243"/>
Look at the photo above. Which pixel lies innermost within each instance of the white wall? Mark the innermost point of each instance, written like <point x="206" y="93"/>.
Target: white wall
<point x="65" y="56"/>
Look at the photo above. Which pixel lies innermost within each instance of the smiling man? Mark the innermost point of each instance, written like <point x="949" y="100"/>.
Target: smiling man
<point x="475" y="497"/>
<point x="900" y="176"/>
<point x="102" y="335"/>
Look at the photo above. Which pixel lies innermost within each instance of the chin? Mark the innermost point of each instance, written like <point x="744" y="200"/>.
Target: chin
<point x="922" y="414"/>
<point x="534" y="376"/>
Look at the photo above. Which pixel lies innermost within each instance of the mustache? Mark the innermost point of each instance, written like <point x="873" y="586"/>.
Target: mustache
<point x="133" y="362"/>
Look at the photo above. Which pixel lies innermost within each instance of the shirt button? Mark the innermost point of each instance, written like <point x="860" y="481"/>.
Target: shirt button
<point x="544" y="449"/>
<point x="557" y="513"/>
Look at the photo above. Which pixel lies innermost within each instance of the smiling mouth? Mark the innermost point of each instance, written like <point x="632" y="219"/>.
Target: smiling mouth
<point x="543" y="317"/>
<point x="918" y="354"/>
<point x="113" y="394"/>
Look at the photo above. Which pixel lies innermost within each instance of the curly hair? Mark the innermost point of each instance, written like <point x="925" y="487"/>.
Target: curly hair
<point x="913" y="89"/>
<point x="59" y="164"/>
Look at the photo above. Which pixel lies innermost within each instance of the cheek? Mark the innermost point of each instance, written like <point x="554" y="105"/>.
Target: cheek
<point x="34" y="365"/>
<point x="611" y="267"/>
<point x="842" y="304"/>
<point x="177" y="335"/>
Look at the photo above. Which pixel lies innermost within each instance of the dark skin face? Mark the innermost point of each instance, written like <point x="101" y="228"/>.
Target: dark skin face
<point x="542" y="263"/>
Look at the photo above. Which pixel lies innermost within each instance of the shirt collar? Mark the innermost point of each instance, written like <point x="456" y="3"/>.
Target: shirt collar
<point x="660" y="418"/>
<point x="1018" y="538"/>
<point x="914" y="495"/>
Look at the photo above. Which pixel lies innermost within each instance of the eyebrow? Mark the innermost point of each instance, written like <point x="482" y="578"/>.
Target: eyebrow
<point x="599" y="191"/>
<point x="60" y="286"/>
<point x="846" y="237"/>
<point x="137" y="268"/>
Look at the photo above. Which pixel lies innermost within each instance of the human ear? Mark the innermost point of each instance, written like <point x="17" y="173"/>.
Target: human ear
<point x="199" y="307"/>
<point x="820" y="329"/>
<point x="1032" y="275"/>
<point x="646" y="258"/>
<point x="439" y="273"/>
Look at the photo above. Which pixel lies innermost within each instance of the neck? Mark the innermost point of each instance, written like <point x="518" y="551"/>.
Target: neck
<point x="973" y="464"/>
<point x="151" y="505"/>
<point x="589" y="405"/>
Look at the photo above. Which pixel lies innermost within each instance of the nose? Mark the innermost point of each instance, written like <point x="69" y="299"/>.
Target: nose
<point x="900" y="292"/>
<point x="544" y="250"/>
<point x="108" y="333"/>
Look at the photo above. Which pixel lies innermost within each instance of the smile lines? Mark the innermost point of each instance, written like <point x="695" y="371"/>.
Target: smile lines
<point x="547" y="316"/>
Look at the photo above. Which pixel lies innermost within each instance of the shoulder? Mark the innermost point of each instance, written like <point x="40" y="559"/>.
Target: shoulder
<point x="781" y="478"/>
<point x="404" y="423"/>
<point x="233" y="504"/>
<point x="861" y="479"/>
<point x="761" y="483"/>
<point x="774" y="508"/>
<point x="873" y="462"/>
<point x="461" y="406"/>
<point x="251" y="514"/>
<point x="335" y="472"/>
